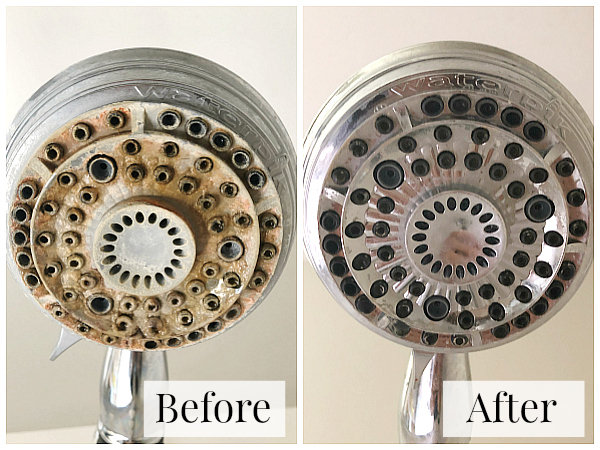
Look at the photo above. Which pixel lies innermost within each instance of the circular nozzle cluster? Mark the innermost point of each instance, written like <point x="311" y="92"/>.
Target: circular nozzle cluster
<point x="148" y="225"/>
<point x="449" y="207"/>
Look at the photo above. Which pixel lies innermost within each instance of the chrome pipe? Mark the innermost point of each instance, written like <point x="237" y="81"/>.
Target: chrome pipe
<point x="421" y="420"/>
<point x="122" y="395"/>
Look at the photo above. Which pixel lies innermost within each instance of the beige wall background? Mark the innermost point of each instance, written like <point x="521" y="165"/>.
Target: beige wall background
<point x="259" y="44"/>
<point x="353" y="377"/>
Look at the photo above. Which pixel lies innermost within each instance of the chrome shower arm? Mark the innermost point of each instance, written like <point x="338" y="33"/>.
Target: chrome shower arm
<point x="421" y="420"/>
<point x="122" y="395"/>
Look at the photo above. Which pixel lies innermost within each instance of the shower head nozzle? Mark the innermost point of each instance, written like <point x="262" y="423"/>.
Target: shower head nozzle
<point x="448" y="196"/>
<point x="151" y="198"/>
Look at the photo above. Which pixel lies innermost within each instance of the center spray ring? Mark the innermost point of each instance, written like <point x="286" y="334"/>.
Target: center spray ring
<point x="455" y="236"/>
<point x="449" y="208"/>
<point x="143" y="249"/>
<point x="147" y="224"/>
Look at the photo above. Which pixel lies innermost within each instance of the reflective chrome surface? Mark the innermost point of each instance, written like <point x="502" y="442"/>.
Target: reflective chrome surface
<point x="364" y="124"/>
<point x="420" y="419"/>
<point x="66" y="340"/>
<point x="122" y="394"/>
<point x="448" y="193"/>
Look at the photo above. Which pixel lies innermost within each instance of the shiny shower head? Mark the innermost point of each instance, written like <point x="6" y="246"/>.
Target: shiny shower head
<point x="448" y="196"/>
<point x="151" y="198"/>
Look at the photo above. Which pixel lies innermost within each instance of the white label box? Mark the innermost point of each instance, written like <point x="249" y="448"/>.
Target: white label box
<point x="214" y="408"/>
<point x="514" y="408"/>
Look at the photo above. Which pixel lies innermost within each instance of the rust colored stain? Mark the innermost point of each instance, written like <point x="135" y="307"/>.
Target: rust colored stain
<point x="179" y="316"/>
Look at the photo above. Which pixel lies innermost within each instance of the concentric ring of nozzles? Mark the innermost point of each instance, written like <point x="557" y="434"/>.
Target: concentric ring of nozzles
<point x="449" y="214"/>
<point x="188" y="165"/>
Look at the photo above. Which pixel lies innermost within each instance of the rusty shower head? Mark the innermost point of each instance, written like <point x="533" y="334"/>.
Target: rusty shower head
<point x="448" y="196"/>
<point x="151" y="198"/>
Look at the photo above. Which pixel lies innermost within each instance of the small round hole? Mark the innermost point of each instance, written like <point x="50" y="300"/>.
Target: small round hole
<point x="196" y="128"/>
<point x="221" y="141"/>
<point x="211" y="302"/>
<point x="420" y="167"/>
<point x="27" y="191"/>
<point x="32" y="280"/>
<point x="432" y="106"/>
<point x="23" y="260"/>
<point x="534" y="131"/>
<point x="131" y="146"/>
<point x="170" y="149"/>
<point x="480" y="136"/>
<point x="82" y="132"/>
<point x="194" y="336"/>
<point x="75" y="215"/>
<point x="565" y="167"/>
<point x="258" y="279"/>
<point x="174" y="342"/>
<point x="206" y="202"/>
<point x="269" y="221"/>
<point x="486" y="108"/>
<point x="102" y="169"/>
<point x="67" y="179"/>
<point x="446" y="160"/>
<point x="204" y="165"/>
<point x="241" y="159"/>
<point x="100" y="304"/>
<point x="21" y="214"/>
<point x="442" y="133"/>
<point x="578" y="228"/>
<point x="513" y="150"/>
<point x="135" y="172"/>
<point x="459" y="104"/>
<point x="53" y="152"/>
<point x="115" y="119"/>
<point x="498" y="172"/>
<point x="256" y="179"/>
<point x="511" y="117"/>
<point x="169" y="119"/>
<point x="229" y="189"/>
<point x="163" y="174"/>
<point x="50" y="208"/>
<point x="232" y="314"/>
<point x="358" y="148"/>
<point x="215" y="326"/>
<point x="384" y="125"/>
<point x="19" y="238"/>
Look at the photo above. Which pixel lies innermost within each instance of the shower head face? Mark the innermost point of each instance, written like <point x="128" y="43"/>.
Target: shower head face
<point x="448" y="196"/>
<point x="149" y="223"/>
